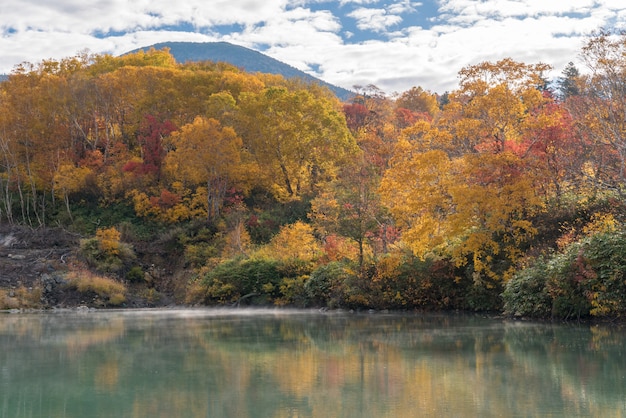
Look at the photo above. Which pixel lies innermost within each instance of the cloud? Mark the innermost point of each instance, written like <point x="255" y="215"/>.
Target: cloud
<point x="392" y="44"/>
<point x="376" y="20"/>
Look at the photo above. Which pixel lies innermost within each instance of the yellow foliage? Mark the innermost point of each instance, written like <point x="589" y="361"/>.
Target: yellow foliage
<point x="109" y="240"/>
<point x="295" y="241"/>
<point x="70" y="179"/>
<point x="475" y="205"/>
<point x="601" y="222"/>
<point x="387" y="267"/>
<point x="238" y="241"/>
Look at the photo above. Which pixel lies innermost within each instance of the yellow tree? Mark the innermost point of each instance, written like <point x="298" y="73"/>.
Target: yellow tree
<point x="35" y="135"/>
<point x="418" y="100"/>
<point x="68" y="180"/>
<point x="460" y="187"/>
<point x="493" y="102"/>
<point x="206" y="155"/>
<point x="297" y="136"/>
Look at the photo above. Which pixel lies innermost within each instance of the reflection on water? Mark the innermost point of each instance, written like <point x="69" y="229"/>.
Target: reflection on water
<point x="221" y="363"/>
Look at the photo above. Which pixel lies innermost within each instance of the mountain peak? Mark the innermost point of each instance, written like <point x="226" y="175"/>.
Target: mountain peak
<point x="248" y="59"/>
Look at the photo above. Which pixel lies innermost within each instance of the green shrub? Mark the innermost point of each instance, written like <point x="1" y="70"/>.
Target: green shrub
<point x="526" y="294"/>
<point x="293" y="292"/>
<point x="603" y="267"/>
<point x="196" y="255"/>
<point x="587" y="278"/>
<point x="404" y="281"/>
<point x="332" y="285"/>
<point x="563" y="284"/>
<point x="235" y="279"/>
<point x="135" y="275"/>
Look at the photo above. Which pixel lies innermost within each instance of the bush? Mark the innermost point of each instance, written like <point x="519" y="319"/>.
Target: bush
<point x="20" y="298"/>
<point x="105" y="252"/>
<point x="233" y="280"/>
<point x="587" y="278"/>
<point x="196" y="255"/>
<point x="604" y="267"/>
<point x="404" y="281"/>
<point x="293" y="292"/>
<point x="563" y="284"/>
<point x="135" y="275"/>
<point x="526" y="294"/>
<point x="331" y="285"/>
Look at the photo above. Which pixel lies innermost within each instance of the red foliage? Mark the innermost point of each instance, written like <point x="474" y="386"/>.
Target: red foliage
<point x="332" y="248"/>
<point x="167" y="200"/>
<point x="356" y="116"/>
<point x="150" y="136"/>
<point x="132" y="167"/>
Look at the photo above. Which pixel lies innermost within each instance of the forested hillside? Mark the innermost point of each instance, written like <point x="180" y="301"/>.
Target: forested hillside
<point x="246" y="59"/>
<point x="214" y="186"/>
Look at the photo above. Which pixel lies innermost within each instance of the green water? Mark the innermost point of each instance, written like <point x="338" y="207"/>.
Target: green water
<point x="214" y="363"/>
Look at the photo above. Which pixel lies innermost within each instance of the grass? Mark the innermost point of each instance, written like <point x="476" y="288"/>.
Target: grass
<point x="112" y="291"/>
<point x="20" y="298"/>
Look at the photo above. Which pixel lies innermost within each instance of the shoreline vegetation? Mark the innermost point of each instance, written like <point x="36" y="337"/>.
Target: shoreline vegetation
<point x="137" y="181"/>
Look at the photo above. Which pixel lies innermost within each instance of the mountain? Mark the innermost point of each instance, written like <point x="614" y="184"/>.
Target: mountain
<point x="239" y="56"/>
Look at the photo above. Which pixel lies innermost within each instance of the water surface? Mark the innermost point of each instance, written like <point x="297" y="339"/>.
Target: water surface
<point x="225" y="363"/>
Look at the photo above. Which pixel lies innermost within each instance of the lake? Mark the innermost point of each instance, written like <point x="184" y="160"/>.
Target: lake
<point x="282" y="363"/>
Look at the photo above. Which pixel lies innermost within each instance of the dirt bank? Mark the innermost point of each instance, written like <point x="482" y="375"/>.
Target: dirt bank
<point x="35" y="261"/>
<point x="26" y="254"/>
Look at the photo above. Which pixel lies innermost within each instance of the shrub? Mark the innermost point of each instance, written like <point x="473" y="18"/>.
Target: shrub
<point x="605" y="268"/>
<point x="526" y="294"/>
<point x="404" y="281"/>
<point x="587" y="277"/>
<point x="234" y="279"/>
<point x="563" y="284"/>
<point x="293" y="292"/>
<point x="331" y="285"/>
<point x="105" y="252"/>
<point x="135" y="275"/>
<point x="108" y="240"/>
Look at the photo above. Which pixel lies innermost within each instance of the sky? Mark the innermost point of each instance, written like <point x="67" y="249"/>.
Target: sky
<point x="394" y="45"/>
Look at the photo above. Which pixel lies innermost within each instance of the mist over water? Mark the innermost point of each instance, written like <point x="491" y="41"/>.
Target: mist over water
<point x="284" y="363"/>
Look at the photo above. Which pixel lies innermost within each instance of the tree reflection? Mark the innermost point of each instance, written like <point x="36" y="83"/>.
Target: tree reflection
<point x="305" y="365"/>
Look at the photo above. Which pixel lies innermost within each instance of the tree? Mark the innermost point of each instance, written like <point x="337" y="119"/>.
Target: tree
<point x="373" y="121"/>
<point x="460" y="187"/>
<point x="600" y="108"/>
<point x="297" y="137"/>
<point x="492" y="103"/>
<point x="418" y="100"/>
<point x="553" y="151"/>
<point x="567" y="84"/>
<point x="350" y="207"/>
<point x="151" y="134"/>
<point x="70" y="180"/>
<point x="206" y="154"/>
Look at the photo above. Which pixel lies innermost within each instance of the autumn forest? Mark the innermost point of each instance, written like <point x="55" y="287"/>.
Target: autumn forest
<point x="213" y="186"/>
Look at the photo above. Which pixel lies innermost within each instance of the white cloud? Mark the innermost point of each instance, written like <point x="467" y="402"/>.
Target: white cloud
<point x="403" y="51"/>
<point x="377" y="20"/>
